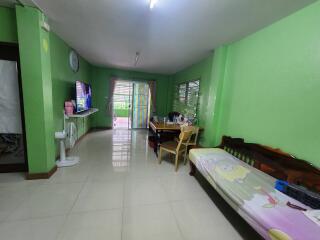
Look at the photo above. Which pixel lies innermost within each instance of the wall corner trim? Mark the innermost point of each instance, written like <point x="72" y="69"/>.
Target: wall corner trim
<point x="45" y="175"/>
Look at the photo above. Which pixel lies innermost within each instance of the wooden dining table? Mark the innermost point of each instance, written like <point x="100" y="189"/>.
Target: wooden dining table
<point x="159" y="128"/>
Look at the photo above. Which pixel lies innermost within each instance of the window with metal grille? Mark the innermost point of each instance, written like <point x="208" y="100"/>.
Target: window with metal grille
<point x="186" y="98"/>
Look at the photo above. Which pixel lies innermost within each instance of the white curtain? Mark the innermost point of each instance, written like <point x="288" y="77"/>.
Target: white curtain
<point x="152" y="87"/>
<point x="10" y="115"/>
<point x="110" y="97"/>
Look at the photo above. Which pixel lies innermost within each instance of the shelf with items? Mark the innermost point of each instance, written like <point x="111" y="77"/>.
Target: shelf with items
<point x="84" y="113"/>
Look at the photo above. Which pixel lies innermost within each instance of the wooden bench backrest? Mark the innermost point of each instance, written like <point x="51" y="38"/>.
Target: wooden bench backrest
<point x="273" y="161"/>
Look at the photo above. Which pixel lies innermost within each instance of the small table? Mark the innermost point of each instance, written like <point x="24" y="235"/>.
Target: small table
<point x="157" y="128"/>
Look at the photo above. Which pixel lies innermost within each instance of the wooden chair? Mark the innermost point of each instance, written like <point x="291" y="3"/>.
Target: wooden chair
<point x="193" y="140"/>
<point x="177" y="148"/>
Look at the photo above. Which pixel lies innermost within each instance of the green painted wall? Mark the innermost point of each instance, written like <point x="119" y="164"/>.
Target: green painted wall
<point x="8" y="25"/>
<point x="202" y="71"/>
<point x="34" y="46"/>
<point x="272" y="83"/>
<point x="101" y="78"/>
<point x="214" y="101"/>
<point x="265" y="87"/>
<point x="63" y="83"/>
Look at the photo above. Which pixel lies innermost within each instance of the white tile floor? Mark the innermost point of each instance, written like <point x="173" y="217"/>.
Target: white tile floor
<point x="118" y="191"/>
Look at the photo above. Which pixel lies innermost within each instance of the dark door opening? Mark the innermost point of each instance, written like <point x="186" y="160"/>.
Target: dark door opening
<point x="13" y="155"/>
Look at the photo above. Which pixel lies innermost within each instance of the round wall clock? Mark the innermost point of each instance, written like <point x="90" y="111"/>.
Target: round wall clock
<point x="74" y="61"/>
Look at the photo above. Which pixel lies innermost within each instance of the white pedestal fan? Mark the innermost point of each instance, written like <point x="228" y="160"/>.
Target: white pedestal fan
<point x="67" y="137"/>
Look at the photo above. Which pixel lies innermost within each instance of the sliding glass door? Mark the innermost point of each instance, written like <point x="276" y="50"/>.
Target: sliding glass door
<point x="140" y="105"/>
<point x="122" y="103"/>
<point x="131" y="104"/>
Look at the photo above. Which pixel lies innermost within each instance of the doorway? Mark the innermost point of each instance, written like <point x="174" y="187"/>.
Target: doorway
<point x="140" y="105"/>
<point x="122" y="99"/>
<point x="13" y="157"/>
<point x="131" y="105"/>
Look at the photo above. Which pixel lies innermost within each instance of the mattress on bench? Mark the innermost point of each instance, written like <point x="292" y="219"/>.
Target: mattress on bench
<point x="251" y="193"/>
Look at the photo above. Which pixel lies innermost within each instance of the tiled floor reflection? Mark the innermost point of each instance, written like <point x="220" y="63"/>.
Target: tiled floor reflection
<point x="121" y="150"/>
<point x="121" y="123"/>
<point x="118" y="191"/>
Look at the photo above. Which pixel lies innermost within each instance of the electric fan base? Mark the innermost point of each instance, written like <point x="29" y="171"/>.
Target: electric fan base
<point x="68" y="162"/>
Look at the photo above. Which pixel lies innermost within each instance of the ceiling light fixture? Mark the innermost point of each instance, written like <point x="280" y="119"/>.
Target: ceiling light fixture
<point x="153" y="3"/>
<point x="136" y="59"/>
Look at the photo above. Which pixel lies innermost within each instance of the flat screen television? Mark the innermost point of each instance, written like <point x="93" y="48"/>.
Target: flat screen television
<point x="83" y="96"/>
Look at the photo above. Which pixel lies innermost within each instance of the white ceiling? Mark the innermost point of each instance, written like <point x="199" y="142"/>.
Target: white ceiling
<point x="172" y="36"/>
